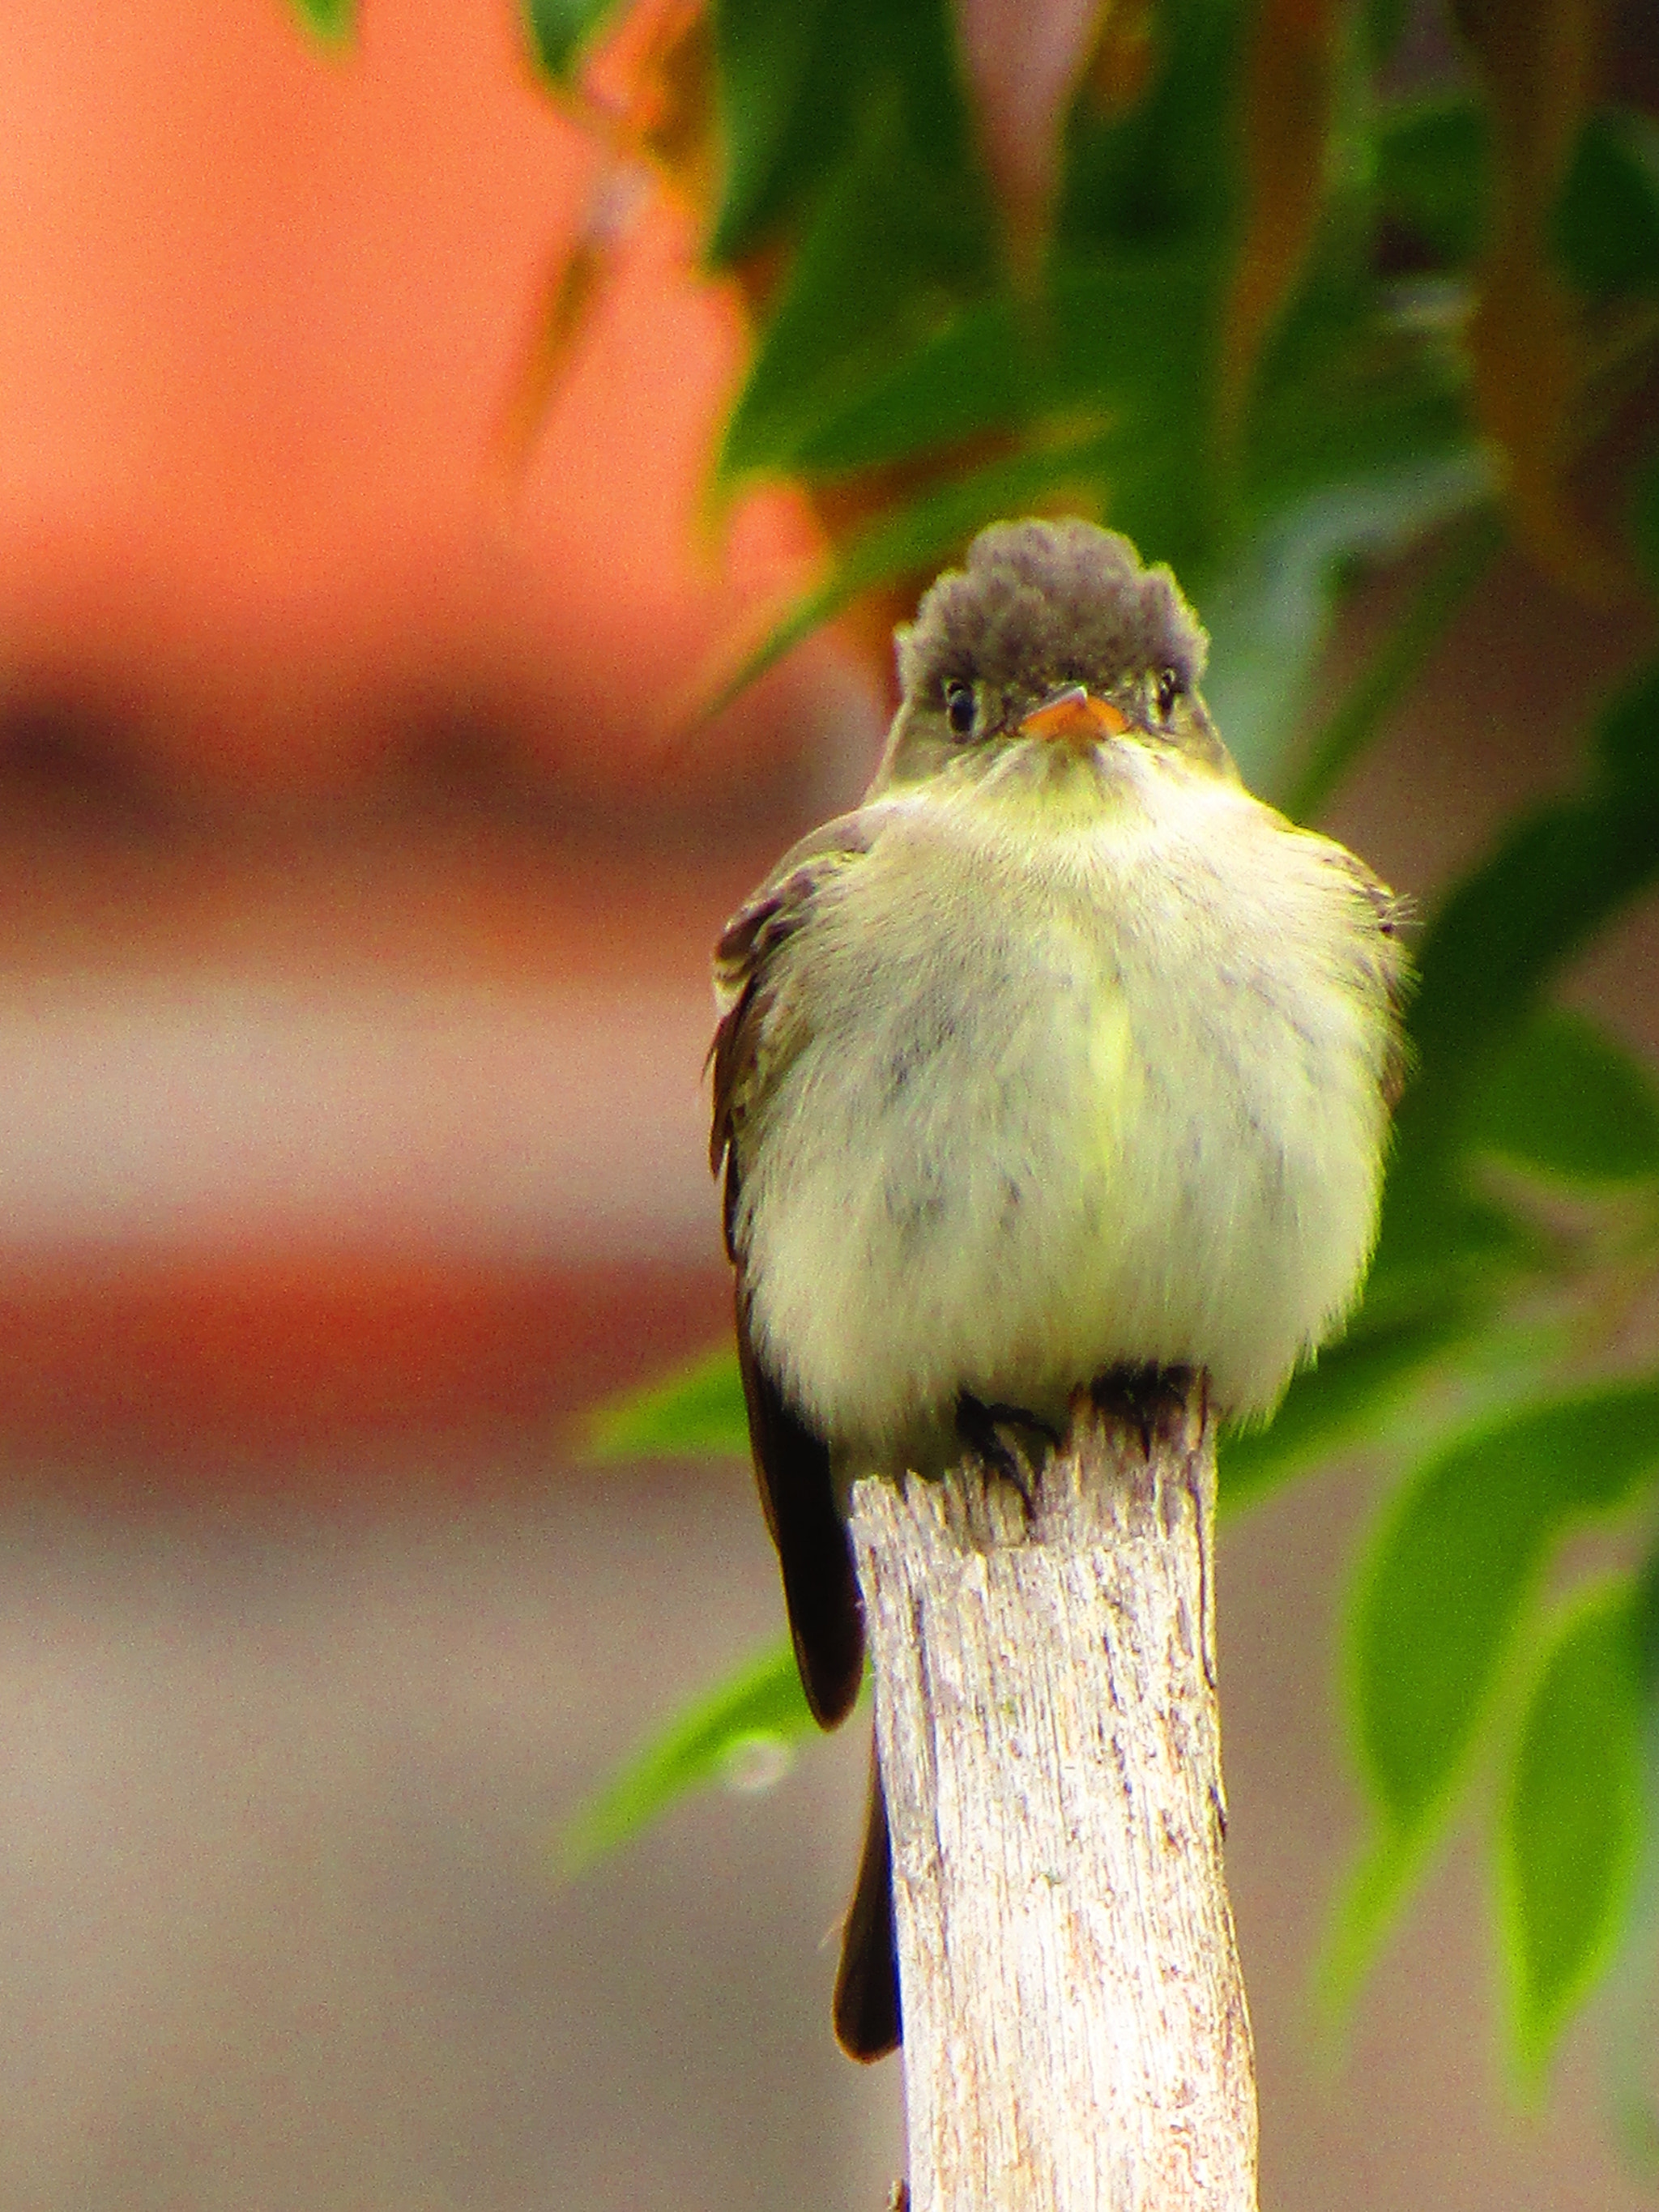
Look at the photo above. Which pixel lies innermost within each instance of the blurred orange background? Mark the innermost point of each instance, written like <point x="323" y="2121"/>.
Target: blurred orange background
<point x="266" y="309"/>
<point x="304" y="688"/>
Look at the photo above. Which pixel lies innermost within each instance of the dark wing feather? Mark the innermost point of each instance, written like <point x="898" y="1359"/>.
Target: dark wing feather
<point x="792" y="1463"/>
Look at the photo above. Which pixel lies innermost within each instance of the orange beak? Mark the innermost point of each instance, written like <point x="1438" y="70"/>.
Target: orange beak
<point x="1075" y="715"/>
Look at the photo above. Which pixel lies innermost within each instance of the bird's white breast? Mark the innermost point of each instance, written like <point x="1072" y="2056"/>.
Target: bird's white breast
<point x="1106" y="1095"/>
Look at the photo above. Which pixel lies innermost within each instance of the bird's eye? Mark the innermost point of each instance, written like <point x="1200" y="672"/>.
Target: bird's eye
<point x="961" y="707"/>
<point x="1169" y="689"/>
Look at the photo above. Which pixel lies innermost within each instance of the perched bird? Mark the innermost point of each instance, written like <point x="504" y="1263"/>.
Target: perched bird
<point x="1060" y="1057"/>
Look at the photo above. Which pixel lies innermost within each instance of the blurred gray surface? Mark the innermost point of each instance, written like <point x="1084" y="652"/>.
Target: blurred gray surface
<point x="277" y="1929"/>
<point x="477" y="1117"/>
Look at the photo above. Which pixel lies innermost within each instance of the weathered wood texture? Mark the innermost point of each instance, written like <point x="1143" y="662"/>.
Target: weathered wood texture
<point x="1076" y="2037"/>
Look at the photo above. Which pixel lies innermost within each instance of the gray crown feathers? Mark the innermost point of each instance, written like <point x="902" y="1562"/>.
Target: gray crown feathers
<point x="1049" y="599"/>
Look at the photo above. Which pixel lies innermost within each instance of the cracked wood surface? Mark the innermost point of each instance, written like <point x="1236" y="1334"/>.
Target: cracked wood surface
<point x="1076" y="2037"/>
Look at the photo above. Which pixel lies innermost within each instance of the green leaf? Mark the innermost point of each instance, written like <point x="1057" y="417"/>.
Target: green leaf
<point x="1357" y="442"/>
<point x="1570" y="1829"/>
<point x="1385" y="23"/>
<point x="760" y="1710"/>
<point x="1556" y="878"/>
<point x="990" y="367"/>
<point x="1394" y="666"/>
<point x="894" y="245"/>
<point x="1269" y="613"/>
<point x="1360" y="369"/>
<point x="1442" y="1596"/>
<point x="333" y="21"/>
<point x="1371" y="1900"/>
<point x="1475" y="1248"/>
<point x="1364" y="399"/>
<point x="1628" y="2014"/>
<point x="1431" y="174"/>
<point x="694" y="1412"/>
<point x="561" y="29"/>
<point x="1122" y="337"/>
<point x="1607" y="215"/>
<point x="768" y="102"/>
<point x="1438" y="1611"/>
<point x="881" y="352"/>
<point x="798" y="87"/>
<point x="1164" y="171"/>
<point x="915" y="540"/>
<point x="1627" y="742"/>
<point x="1349" y="1390"/>
<point x="1451" y="1571"/>
<point x="1567" y="1100"/>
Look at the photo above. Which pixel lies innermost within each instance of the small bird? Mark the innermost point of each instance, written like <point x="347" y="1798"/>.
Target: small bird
<point x="1061" y="1057"/>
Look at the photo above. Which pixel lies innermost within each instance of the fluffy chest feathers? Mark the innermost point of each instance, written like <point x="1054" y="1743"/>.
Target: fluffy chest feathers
<point x="1034" y="1095"/>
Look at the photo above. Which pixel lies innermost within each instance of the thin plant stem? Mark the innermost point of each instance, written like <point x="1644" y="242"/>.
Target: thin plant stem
<point x="1395" y="665"/>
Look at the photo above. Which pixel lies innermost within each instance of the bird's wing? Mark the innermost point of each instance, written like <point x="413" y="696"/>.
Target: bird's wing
<point x="756" y="1027"/>
<point x="760" y="1028"/>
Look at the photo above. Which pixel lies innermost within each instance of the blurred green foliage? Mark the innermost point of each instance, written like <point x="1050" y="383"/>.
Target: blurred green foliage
<point x="333" y="21"/>
<point x="1273" y="316"/>
<point x="1571" y="1816"/>
<point x="559" y="30"/>
<point x="762" y="1711"/>
<point x="1452" y="1586"/>
<point x="701" y="1409"/>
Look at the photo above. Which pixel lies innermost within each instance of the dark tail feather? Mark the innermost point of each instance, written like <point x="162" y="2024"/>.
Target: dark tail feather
<point x="866" y="2009"/>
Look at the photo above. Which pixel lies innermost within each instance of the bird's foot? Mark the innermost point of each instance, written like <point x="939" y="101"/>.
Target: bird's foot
<point x="979" y="1429"/>
<point x="1150" y="1401"/>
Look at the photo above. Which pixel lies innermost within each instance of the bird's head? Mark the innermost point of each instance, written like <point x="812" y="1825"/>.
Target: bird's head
<point x="1051" y="647"/>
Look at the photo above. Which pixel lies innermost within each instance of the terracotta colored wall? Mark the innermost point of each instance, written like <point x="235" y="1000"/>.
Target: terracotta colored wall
<point x="263" y="307"/>
<point x="301" y="697"/>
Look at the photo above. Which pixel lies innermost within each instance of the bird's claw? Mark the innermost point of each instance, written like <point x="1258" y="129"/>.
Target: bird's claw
<point x="979" y="1429"/>
<point x="1151" y="1400"/>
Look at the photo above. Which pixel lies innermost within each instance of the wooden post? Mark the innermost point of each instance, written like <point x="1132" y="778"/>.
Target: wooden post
<point x="1075" y="2032"/>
